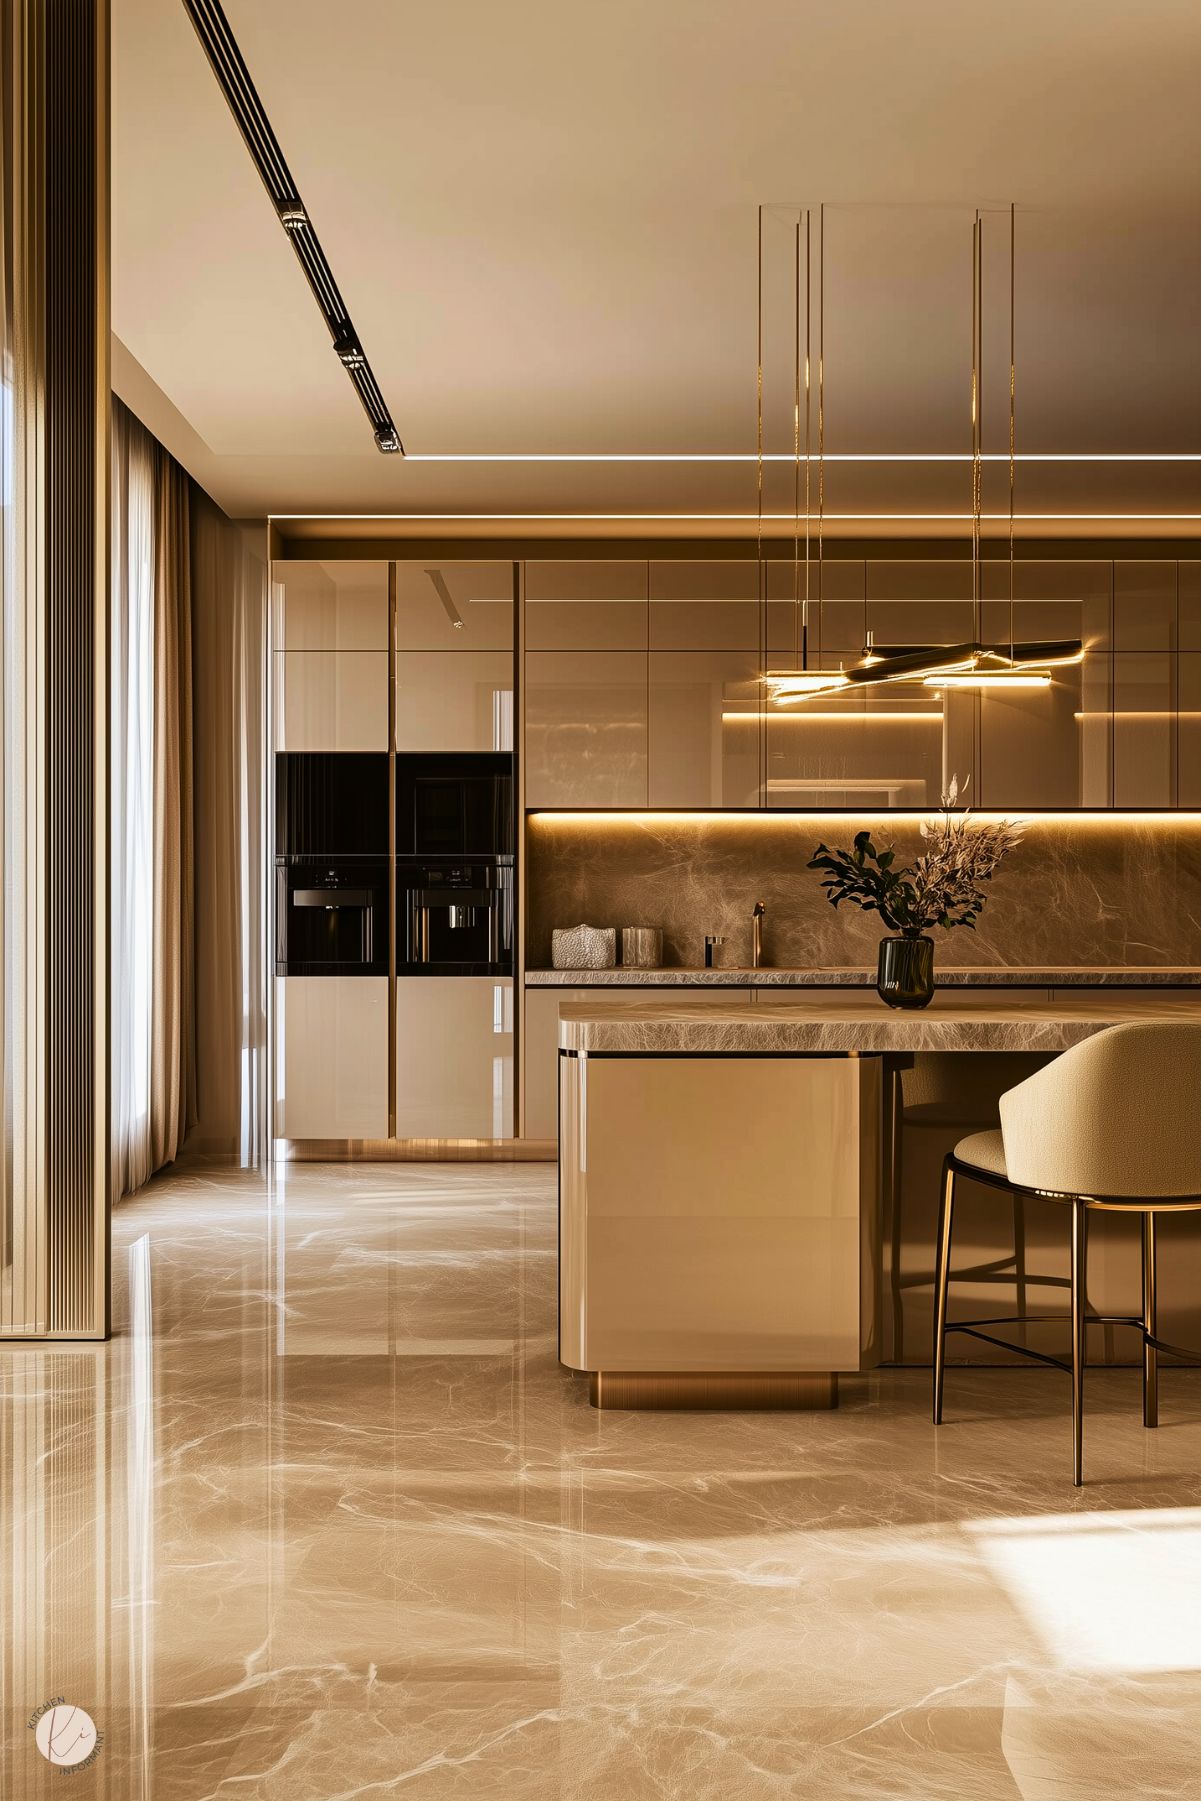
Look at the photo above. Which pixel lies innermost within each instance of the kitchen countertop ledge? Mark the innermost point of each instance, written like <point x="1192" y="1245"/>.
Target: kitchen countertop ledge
<point x="994" y="976"/>
<point x="852" y="1022"/>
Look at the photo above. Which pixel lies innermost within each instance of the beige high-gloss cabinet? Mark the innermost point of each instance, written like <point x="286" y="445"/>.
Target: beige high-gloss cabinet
<point x="454" y="700"/>
<point x="703" y="729"/>
<point x="330" y="606"/>
<point x="711" y="605"/>
<point x="455" y="606"/>
<point x="454" y="1057"/>
<point x="331" y="1057"/>
<point x="719" y="1213"/>
<point x="540" y="1044"/>
<point x="330" y="663"/>
<point x="540" y="1057"/>
<point x="331" y="700"/>
<point x="586" y="606"/>
<point x="586" y="728"/>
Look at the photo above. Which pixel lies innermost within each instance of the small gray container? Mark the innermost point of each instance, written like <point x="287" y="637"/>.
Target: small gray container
<point x="641" y="947"/>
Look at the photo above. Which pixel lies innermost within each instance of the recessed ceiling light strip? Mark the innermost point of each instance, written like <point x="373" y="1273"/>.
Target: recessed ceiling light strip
<point x="782" y="456"/>
<point x="233" y="78"/>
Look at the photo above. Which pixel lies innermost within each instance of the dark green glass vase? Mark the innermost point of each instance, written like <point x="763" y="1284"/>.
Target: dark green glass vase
<point x="905" y="972"/>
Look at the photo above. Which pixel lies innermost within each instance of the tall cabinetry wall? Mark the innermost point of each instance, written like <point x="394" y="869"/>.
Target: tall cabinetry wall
<point x="374" y="660"/>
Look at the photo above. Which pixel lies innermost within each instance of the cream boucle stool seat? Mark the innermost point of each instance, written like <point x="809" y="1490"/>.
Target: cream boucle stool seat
<point x="1114" y="1125"/>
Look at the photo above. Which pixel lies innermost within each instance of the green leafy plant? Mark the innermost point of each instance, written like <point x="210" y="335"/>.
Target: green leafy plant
<point x="943" y="887"/>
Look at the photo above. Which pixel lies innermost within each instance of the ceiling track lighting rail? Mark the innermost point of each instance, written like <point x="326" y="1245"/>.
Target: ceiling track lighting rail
<point x="233" y="78"/>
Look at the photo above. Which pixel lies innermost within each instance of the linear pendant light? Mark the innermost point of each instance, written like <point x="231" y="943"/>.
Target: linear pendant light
<point x="233" y="78"/>
<point x="969" y="665"/>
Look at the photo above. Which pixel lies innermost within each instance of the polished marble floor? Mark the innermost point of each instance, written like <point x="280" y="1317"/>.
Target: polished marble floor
<point x="326" y="1520"/>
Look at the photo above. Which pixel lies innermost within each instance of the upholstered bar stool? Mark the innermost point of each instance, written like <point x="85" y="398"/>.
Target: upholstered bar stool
<point x="1113" y="1125"/>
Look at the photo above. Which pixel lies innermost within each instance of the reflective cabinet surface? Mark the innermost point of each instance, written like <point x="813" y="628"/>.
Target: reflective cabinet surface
<point x="644" y="684"/>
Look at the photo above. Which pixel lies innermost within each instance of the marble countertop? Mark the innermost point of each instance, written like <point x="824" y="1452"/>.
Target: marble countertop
<point x="855" y="1022"/>
<point x="1129" y="976"/>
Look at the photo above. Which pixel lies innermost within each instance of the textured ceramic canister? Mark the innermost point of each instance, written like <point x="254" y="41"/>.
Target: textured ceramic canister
<point x="641" y="947"/>
<point x="583" y="947"/>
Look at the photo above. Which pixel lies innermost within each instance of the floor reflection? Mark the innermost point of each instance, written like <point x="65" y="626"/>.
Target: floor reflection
<point x="327" y="1520"/>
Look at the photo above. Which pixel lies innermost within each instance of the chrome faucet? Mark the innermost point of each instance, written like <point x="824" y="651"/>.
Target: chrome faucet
<point x="757" y="933"/>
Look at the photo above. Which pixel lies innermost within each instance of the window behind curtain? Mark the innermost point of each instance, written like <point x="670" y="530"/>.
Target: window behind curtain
<point x="132" y="797"/>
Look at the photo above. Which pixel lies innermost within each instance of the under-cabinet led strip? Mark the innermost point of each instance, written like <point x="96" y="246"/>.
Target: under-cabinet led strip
<point x="233" y="78"/>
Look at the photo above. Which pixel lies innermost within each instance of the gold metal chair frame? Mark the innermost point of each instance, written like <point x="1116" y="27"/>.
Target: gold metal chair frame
<point x="1079" y="1317"/>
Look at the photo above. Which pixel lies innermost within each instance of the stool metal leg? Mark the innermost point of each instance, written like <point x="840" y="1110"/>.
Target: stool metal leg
<point x="946" y="1214"/>
<point x="1079" y="1295"/>
<point x="1150" y="1354"/>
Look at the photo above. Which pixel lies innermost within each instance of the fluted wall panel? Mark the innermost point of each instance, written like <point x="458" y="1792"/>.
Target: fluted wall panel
<point x="55" y="648"/>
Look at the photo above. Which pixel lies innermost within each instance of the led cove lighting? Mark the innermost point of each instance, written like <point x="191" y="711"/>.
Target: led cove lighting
<point x="747" y="519"/>
<point x="779" y="456"/>
<point x="991" y="678"/>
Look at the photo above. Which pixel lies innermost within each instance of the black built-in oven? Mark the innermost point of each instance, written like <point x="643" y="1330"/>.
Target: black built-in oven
<point x="456" y="805"/>
<point x="454" y="918"/>
<point x="331" y="917"/>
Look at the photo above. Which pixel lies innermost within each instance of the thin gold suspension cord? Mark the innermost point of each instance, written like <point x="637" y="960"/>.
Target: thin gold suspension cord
<point x="1012" y="416"/>
<point x="764" y="657"/>
<point x="796" y="446"/>
<point x="977" y="405"/>
<point x="808" y="410"/>
<point x="821" y="415"/>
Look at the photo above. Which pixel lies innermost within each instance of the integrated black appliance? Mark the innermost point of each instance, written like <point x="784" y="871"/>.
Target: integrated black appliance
<point x="331" y="917"/>
<point x="331" y="803"/>
<point x="454" y="805"/>
<point x="451" y="880"/>
<point x="454" y="918"/>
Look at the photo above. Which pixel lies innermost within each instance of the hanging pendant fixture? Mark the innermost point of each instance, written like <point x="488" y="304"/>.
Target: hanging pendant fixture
<point x="974" y="664"/>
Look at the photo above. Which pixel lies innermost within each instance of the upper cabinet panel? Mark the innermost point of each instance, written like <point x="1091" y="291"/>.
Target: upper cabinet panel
<point x="454" y="700"/>
<point x="815" y="604"/>
<point x="704" y="605"/>
<point x="1190" y="604"/>
<point x="1144" y="729"/>
<point x="867" y="749"/>
<point x="331" y="700"/>
<point x="586" y="606"/>
<point x="918" y="601"/>
<point x="1145" y="610"/>
<point x="330" y="606"/>
<point x="1033" y="743"/>
<point x="704" y="729"/>
<point x="454" y="606"/>
<point x="586" y="729"/>
<point x="1051" y="600"/>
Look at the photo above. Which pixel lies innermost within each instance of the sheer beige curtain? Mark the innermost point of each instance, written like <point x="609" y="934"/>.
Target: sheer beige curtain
<point x="229" y="642"/>
<point x="189" y="906"/>
<point x="153" y="987"/>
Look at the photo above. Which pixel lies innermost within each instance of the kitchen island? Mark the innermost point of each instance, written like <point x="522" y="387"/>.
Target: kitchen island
<point x="722" y="1173"/>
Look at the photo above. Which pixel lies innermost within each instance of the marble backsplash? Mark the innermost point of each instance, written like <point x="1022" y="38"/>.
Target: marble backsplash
<point x="1098" y="890"/>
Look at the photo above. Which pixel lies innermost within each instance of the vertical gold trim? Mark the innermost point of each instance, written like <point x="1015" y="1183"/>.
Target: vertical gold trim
<point x="393" y="652"/>
<point x="519" y="911"/>
<point x="102" y="752"/>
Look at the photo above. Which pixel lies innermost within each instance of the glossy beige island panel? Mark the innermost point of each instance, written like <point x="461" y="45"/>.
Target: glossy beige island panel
<point x="718" y="1214"/>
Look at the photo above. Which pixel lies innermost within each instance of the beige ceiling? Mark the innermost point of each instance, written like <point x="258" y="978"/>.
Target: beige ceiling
<point x="543" y="215"/>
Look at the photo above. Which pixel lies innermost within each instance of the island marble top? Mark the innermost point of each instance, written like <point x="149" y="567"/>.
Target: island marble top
<point x="855" y="1022"/>
<point x="995" y="976"/>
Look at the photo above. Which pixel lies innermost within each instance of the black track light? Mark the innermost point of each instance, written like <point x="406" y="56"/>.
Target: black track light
<point x="233" y="78"/>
